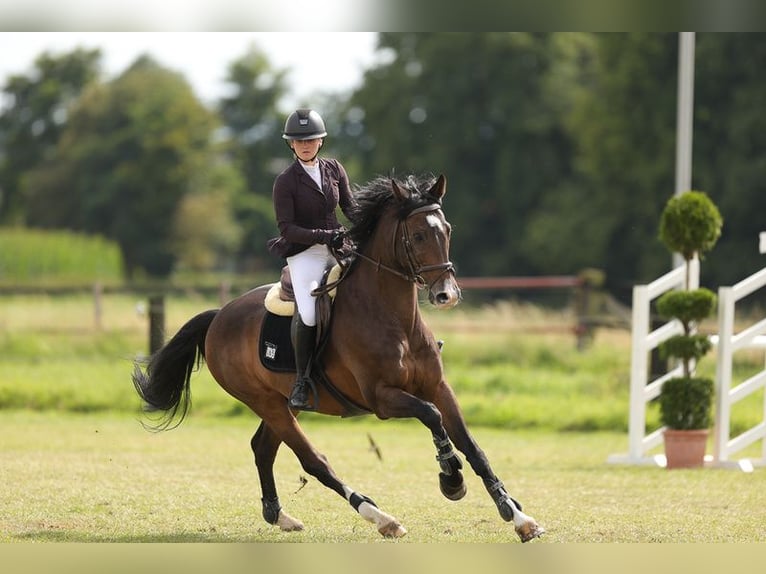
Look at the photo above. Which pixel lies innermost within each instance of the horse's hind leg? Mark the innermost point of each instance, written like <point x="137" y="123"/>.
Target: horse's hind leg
<point x="509" y="509"/>
<point x="282" y="426"/>
<point x="265" y="445"/>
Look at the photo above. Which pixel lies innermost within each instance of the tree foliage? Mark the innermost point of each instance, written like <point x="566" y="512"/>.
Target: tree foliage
<point x="32" y="121"/>
<point x="475" y="106"/>
<point x="253" y="124"/>
<point x="559" y="150"/>
<point x="729" y="161"/>
<point x="131" y="151"/>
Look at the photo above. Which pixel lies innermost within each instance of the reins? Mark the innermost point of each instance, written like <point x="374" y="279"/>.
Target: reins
<point x="413" y="274"/>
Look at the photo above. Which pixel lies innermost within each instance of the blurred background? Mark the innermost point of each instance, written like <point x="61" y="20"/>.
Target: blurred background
<point x="154" y="154"/>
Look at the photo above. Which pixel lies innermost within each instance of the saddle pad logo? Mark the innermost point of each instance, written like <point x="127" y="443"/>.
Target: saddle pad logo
<point x="271" y="350"/>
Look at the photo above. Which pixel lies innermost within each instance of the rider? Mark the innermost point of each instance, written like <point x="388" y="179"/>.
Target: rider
<point x="305" y="197"/>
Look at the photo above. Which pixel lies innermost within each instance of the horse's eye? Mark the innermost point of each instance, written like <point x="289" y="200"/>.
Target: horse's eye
<point x="418" y="236"/>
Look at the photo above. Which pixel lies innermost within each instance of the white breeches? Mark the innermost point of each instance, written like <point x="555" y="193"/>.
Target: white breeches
<point x="306" y="270"/>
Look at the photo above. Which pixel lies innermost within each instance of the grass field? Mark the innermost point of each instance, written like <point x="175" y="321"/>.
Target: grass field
<point x="103" y="478"/>
<point x="79" y="467"/>
<point x="512" y="366"/>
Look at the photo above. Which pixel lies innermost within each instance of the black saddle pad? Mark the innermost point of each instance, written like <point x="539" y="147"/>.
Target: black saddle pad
<point x="275" y="347"/>
<point x="276" y="352"/>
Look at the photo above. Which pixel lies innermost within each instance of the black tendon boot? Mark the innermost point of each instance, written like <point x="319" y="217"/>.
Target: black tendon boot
<point x="304" y="339"/>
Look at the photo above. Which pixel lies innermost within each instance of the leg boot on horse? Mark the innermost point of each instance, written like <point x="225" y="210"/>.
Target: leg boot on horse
<point x="304" y="341"/>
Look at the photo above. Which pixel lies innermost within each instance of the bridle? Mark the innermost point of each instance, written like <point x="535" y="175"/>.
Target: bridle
<point x="414" y="271"/>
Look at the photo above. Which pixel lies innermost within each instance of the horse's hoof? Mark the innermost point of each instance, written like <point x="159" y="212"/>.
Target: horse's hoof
<point x="529" y="530"/>
<point x="455" y="494"/>
<point x="287" y="523"/>
<point x="392" y="530"/>
<point x="452" y="491"/>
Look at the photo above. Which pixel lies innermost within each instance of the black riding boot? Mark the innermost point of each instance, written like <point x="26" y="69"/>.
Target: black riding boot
<point x="304" y="340"/>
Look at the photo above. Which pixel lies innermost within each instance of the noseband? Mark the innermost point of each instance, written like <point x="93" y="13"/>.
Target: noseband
<point x="414" y="271"/>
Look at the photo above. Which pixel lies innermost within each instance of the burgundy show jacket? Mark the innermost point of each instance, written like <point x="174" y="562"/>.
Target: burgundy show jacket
<point x="305" y="214"/>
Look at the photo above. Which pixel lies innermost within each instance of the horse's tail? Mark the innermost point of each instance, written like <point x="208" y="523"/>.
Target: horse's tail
<point x="164" y="386"/>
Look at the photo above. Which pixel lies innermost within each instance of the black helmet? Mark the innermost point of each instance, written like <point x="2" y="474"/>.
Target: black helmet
<point x="304" y="124"/>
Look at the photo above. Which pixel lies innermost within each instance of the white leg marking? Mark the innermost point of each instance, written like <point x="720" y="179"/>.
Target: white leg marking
<point x="526" y="526"/>
<point x="387" y="525"/>
<point x="287" y="523"/>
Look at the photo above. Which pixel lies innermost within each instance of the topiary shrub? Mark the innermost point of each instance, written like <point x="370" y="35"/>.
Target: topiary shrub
<point x="687" y="306"/>
<point x="685" y="403"/>
<point x="690" y="225"/>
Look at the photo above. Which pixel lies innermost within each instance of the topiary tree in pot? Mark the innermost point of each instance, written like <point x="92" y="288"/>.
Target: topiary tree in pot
<point x="690" y="225"/>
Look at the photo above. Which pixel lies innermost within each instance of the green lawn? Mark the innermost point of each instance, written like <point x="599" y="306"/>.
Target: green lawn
<point x="77" y="465"/>
<point x="103" y="478"/>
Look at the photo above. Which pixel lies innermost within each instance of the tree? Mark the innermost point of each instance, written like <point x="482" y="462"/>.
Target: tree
<point x="481" y="108"/>
<point x="560" y="148"/>
<point x="32" y="122"/>
<point x="131" y="152"/>
<point x="624" y="128"/>
<point x="730" y="146"/>
<point x="253" y="126"/>
<point x="205" y="235"/>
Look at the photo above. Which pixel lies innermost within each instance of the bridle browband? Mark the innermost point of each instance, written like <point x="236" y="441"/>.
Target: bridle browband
<point x="414" y="272"/>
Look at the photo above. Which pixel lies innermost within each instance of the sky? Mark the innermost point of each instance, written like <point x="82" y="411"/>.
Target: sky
<point x="315" y="62"/>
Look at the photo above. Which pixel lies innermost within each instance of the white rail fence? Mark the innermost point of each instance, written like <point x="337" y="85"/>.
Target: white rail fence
<point x="644" y="341"/>
<point x="729" y="343"/>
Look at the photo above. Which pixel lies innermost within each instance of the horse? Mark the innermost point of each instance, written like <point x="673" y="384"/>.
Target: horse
<point x="379" y="355"/>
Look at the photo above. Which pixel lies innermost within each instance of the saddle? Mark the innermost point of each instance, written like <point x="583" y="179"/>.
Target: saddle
<point x="280" y="298"/>
<point x="275" y="347"/>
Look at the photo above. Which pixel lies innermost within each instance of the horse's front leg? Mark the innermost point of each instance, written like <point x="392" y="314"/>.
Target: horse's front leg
<point x="393" y="402"/>
<point x="526" y="526"/>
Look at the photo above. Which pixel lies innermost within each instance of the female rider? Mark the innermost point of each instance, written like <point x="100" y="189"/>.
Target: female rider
<point x="306" y="196"/>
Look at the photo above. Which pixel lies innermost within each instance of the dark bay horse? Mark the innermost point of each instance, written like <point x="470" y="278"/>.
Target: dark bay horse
<point x="379" y="354"/>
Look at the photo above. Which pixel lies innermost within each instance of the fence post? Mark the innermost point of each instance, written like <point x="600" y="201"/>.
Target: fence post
<point x="723" y="374"/>
<point x="98" y="292"/>
<point x="224" y="292"/>
<point x="156" y="323"/>
<point x="638" y="372"/>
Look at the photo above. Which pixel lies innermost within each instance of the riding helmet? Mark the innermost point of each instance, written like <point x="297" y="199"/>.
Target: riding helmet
<point x="304" y="124"/>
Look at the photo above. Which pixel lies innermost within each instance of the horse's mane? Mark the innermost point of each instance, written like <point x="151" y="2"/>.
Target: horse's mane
<point x="375" y="196"/>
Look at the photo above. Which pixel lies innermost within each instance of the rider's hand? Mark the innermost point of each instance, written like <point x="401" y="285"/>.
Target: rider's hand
<point x="336" y="242"/>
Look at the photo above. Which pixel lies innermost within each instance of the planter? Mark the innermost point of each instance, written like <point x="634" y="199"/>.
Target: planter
<point x="685" y="448"/>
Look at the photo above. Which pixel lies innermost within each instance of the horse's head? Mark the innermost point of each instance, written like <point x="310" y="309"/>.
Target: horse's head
<point x="424" y="234"/>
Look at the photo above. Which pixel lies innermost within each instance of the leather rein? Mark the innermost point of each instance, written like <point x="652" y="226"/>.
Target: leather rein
<point x="413" y="274"/>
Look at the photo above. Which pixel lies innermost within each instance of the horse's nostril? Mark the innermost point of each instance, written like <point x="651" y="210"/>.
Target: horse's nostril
<point x="442" y="298"/>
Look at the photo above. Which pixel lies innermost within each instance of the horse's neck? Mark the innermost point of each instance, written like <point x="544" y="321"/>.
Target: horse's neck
<point x="378" y="291"/>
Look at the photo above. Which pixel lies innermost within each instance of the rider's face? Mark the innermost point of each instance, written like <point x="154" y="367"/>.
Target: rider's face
<point x="306" y="150"/>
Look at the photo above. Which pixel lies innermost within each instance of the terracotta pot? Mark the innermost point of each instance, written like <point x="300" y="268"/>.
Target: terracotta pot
<point x="685" y="448"/>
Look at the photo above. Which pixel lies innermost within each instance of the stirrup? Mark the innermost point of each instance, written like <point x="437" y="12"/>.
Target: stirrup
<point x="306" y="385"/>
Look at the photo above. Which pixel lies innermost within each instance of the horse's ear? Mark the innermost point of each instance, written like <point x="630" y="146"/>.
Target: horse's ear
<point x="439" y="188"/>
<point x="401" y="193"/>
